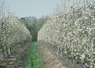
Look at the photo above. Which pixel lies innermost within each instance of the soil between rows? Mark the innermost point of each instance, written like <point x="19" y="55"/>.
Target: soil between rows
<point x="52" y="60"/>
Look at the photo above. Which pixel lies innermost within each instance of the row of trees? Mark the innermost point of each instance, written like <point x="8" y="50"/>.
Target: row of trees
<point x="14" y="40"/>
<point x="72" y="31"/>
<point x="16" y="36"/>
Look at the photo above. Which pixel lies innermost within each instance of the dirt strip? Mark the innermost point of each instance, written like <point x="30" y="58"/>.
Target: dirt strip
<point x="52" y="60"/>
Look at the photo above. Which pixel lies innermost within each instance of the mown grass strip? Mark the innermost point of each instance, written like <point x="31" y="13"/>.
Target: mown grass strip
<point x="34" y="60"/>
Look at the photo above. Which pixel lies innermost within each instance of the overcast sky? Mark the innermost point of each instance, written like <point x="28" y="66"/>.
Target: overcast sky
<point x="37" y="8"/>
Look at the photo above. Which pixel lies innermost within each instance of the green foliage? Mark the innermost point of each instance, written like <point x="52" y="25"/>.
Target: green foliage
<point x="31" y="24"/>
<point x="34" y="25"/>
<point x="40" y="22"/>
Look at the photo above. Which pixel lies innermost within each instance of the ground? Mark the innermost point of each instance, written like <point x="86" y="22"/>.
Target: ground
<point x="52" y="60"/>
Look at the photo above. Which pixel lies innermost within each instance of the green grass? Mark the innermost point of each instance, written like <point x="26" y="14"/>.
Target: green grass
<point x="34" y="60"/>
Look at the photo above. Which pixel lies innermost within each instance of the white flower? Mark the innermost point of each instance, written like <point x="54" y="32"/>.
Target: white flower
<point x="82" y="57"/>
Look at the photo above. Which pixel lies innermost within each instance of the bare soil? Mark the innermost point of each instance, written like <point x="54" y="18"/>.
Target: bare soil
<point x="52" y="60"/>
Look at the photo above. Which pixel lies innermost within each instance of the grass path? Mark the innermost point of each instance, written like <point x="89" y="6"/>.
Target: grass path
<point x="34" y="60"/>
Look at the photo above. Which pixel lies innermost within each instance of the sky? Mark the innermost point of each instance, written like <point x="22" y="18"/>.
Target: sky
<point x="25" y="8"/>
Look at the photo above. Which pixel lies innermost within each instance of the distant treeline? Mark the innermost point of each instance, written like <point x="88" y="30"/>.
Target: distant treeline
<point x="34" y="25"/>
